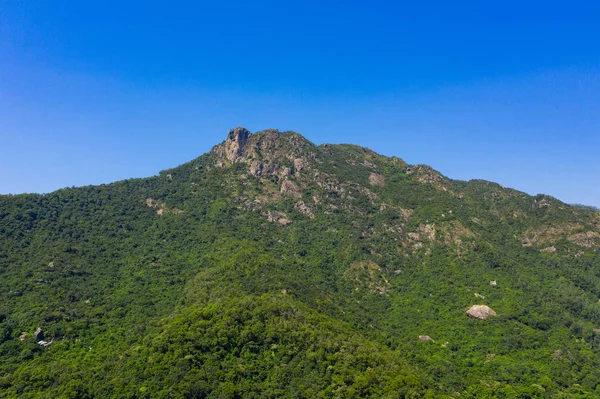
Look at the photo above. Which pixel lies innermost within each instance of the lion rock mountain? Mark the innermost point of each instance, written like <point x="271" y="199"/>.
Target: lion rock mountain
<point x="273" y="267"/>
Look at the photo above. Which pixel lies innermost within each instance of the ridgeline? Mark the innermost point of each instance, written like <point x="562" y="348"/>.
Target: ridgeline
<point x="271" y="267"/>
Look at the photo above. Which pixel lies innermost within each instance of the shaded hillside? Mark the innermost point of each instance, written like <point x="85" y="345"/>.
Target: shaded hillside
<point x="271" y="267"/>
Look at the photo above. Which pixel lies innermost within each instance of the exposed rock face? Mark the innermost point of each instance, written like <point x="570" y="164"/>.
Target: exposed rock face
<point x="545" y="237"/>
<point x="304" y="209"/>
<point x="541" y="203"/>
<point x="275" y="216"/>
<point x="289" y="189"/>
<point x="161" y="208"/>
<point x="589" y="239"/>
<point x="376" y="180"/>
<point x="235" y="143"/>
<point x="284" y="222"/>
<point x="427" y="231"/>
<point x="480" y="312"/>
<point x="267" y="153"/>
<point x="426" y="174"/>
<point x="39" y="334"/>
<point x="256" y="168"/>
<point x="300" y="164"/>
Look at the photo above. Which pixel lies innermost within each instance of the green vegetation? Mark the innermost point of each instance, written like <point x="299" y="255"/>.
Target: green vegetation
<point x="271" y="267"/>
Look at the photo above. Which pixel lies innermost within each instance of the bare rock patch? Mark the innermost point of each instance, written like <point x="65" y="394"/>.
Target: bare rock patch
<point x="480" y="312"/>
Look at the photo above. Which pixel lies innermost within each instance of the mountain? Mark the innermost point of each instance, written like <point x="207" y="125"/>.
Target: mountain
<point x="271" y="267"/>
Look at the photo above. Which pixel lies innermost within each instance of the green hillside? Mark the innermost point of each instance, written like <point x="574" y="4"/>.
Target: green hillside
<point x="273" y="268"/>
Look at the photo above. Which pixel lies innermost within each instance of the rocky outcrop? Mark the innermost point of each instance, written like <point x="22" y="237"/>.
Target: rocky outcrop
<point x="289" y="189"/>
<point x="256" y="168"/>
<point x="589" y="239"/>
<point x="541" y="203"/>
<point x="376" y="180"/>
<point x="425" y="174"/>
<point x="480" y="312"/>
<point x="235" y="144"/>
<point x="284" y="222"/>
<point x="268" y="153"/>
<point x="427" y="231"/>
<point x="545" y="237"/>
<point x="300" y="164"/>
<point x="161" y="207"/>
<point x="425" y="338"/>
<point x="304" y="209"/>
<point x="276" y="216"/>
<point x="549" y="235"/>
<point x="38" y="334"/>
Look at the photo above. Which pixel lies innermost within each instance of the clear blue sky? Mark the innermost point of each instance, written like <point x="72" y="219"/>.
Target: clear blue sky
<point x="93" y="92"/>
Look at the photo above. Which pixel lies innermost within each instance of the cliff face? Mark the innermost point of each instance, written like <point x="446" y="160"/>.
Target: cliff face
<point x="267" y="153"/>
<point x="233" y="148"/>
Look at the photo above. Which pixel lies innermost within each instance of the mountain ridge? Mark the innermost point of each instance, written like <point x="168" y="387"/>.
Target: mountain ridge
<point x="272" y="267"/>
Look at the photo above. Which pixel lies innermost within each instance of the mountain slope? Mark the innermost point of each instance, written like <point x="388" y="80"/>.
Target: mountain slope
<point x="271" y="267"/>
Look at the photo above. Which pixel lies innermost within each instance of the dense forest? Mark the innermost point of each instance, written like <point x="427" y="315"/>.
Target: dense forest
<point x="274" y="268"/>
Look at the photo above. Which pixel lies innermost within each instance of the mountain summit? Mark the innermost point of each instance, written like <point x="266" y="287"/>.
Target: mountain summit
<point x="273" y="267"/>
<point x="265" y="148"/>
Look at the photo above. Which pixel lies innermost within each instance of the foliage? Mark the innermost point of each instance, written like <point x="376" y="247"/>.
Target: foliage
<point x="201" y="292"/>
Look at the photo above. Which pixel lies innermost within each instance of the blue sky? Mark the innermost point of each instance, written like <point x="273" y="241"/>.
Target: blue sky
<point x="504" y="91"/>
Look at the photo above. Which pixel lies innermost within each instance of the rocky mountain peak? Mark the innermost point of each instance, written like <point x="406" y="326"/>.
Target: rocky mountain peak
<point x="266" y="153"/>
<point x="234" y="146"/>
<point x="238" y="135"/>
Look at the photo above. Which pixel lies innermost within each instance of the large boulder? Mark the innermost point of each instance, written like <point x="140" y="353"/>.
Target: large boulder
<point x="480" y="312"/>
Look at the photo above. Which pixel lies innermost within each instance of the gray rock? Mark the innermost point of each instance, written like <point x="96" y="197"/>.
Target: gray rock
<point x="480" y="312"/>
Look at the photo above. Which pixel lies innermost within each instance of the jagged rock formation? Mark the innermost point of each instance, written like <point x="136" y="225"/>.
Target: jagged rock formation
<point x="268" y="153"/>
<point x="235" y="145"/>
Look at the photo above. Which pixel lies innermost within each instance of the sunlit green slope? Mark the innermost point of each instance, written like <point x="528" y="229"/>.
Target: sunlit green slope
<point x="271" y="267"/>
